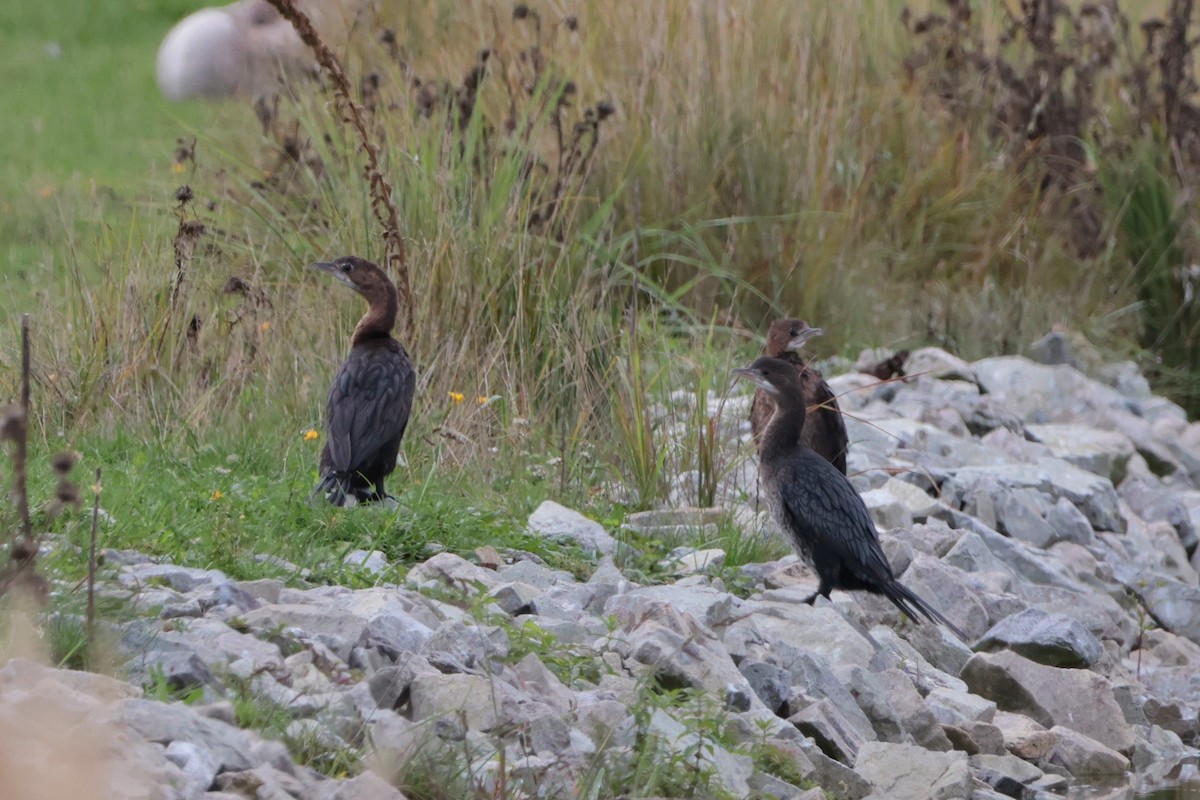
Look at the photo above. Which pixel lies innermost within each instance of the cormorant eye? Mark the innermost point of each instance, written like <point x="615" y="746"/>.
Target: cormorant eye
<point x="793" y="332"/>
<point x="347" y="268"/>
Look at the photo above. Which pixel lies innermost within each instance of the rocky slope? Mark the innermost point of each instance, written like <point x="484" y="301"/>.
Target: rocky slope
<point x="1050" y="515"/>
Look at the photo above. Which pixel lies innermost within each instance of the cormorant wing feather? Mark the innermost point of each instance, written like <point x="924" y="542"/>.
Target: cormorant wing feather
<point x="824" y="508"/>
<point x="369" y="404"/>
<point x="825" y="414"/>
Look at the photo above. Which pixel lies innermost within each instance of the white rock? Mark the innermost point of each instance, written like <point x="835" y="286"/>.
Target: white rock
<point x="373" y="561"/>
<point x="552" y="520"/>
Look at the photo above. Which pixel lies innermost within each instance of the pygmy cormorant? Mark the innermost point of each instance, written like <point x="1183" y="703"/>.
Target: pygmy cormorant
<point x="372" y="393"/>
<point x="888" y="368"/>
<point x="824" y="430"/>
<point x="816" y="506"/>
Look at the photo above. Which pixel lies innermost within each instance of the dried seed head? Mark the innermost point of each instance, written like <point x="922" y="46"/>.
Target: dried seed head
<point x="184" y="194"/>
<point x="572" y="22"/>
<point x="236" y="285"/>
<point x="520" y="11"/>
<point x="388" y="36"/>
<point x="23" y="549"/>
<point x="62" y="462"/>
<point x="605" y="109"/>
<point x="67" y="493"/>
<point x="471" y="79"/>
<point x="12" y="422"/>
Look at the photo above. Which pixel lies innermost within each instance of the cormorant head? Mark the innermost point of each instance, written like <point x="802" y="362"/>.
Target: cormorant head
<point x="777" y="378"/>
<point x="359" y="274"/>
<point x="790" y="336"/>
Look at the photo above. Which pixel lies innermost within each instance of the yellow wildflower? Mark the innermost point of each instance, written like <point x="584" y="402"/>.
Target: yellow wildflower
<point x="311" y="435"/>
<point x="177" y="167"/>
<point x="217" y="494"/>
<point x="457" y="397"/>
<point x="263" y="328"/>
<point x="483" y="401"/>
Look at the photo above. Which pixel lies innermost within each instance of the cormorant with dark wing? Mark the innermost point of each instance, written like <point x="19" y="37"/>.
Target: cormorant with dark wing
<point x="888" y="368"/>
<point x="371" y="396"/>
<point x="816" y="506"/>
<point x="824" y="431"/>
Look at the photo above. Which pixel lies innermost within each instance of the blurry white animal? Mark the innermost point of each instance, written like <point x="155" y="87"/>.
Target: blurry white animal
<point x="242" y="49"/>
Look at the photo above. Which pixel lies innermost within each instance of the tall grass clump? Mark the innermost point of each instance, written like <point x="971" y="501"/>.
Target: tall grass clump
<point x="1096" y="117"/>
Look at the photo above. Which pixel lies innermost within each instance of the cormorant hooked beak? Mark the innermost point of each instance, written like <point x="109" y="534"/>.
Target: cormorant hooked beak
<point x="334" y="269"/>
<point x="799" y="340"/>
<point x="758" y="378"/>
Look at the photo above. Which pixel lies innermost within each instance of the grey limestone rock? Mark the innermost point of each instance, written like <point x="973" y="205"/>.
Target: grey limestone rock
<point x="365" y="786"/>
<point x="907" y="772"/>
<point x="373" y="561"/>
<point x="1081" y="755"/>
<point x="553" y="520"/>
<point x="1092" y="494"/>
<point x="1006" y="773"/>
<point x="1052" y="639"/>
<point x="771" y="683"/>
<point x="732" y="772"/>
<point x="1102" y="452"/>
<point x="824" y="722"/>
<point x="1078" y="699"/>
<point x="975" y="738"/>
<point x="181" y="579"/>
<point x="872" y="697"/>
<point x="447" y="569"/>
<point x="1173" y="604"/>
<point x="1069" y="523"/>
<point x="165" y="723"/>
<point x="915" y="717"/>
<point x="951" y="707"/>
<point x="477" y="698"/>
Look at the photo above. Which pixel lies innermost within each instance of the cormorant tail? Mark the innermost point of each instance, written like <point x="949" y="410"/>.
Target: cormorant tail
<point x="910" y="603"/>
<point x="334" y="489"/>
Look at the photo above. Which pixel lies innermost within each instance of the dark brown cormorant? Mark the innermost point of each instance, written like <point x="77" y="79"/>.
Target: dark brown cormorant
<point x="888" y="368"/>
<point x="816" y="506"/>
<point x="824" y="431"/>
<point x="372" y="393"/>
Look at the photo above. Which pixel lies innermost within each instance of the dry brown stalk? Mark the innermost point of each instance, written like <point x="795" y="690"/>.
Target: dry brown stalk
<point x="91" y="574"/>
<point x="381" y="189"/>
<point x="188" y="232"/>
<point x="23" y="548"/>
<point x="19" y="459"/>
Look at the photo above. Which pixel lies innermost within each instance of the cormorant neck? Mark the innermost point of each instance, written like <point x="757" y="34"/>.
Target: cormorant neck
<point x="379" y="319"/>
<point x="792" y="357"/>
<point x="783" y="431"/>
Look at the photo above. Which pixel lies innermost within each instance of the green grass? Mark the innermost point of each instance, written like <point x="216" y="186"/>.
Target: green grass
<point x="85" y="133"/>
<point x="80" y="99"/>
<point x="224" y="505"/>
